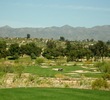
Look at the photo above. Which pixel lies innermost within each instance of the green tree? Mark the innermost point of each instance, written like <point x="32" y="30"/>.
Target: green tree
<point x="50" y="51"/>
<point x="23" y="49"/>
<point x="14" y="50"/>
<point x="100" y="49"/>
<point x="87" y="53"/>
<point x="31" y="48"/>
<point x="75" y="51"/>
<point x="68" y="46"/>
<point x="28" y="36"/>
<point x="47" y="53"/>
<point x="3" y="51"/>
<point x="62" y="38"/>
<point x="53" y="52"/>
<point x="51" y="44"/>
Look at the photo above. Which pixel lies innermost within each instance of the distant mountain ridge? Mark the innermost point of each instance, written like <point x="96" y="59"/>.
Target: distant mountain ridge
<point x="69" y="32"/>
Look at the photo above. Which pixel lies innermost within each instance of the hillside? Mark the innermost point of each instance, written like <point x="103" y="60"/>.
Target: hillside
<point x="71" y="33"/>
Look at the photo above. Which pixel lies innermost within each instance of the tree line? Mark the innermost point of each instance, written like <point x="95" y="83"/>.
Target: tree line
<point x="76" y="52"/>
<point x="73" y="52"/>
<point x="14" y="51"/>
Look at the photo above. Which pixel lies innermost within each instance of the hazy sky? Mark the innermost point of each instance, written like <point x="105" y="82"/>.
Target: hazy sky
<point x="45" y="13"/>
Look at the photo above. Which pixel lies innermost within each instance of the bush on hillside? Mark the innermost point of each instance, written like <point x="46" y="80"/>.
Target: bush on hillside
<point x="19" y="70"/>
<point x="106" y="76"/>
<point x="103" y="66"/>
<point x="39" y="61"/>
<point x="100" y="84"/>
<point x="6" y="69"/>
<point x="33" y="56"/>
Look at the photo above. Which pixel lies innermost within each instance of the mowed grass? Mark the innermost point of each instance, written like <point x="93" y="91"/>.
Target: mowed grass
<point x="50" y="72"/>
<point x="52" y="94"/>
<point x="43" y="72"/>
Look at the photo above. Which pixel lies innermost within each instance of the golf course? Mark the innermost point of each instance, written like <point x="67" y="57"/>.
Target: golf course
<point x="52" y="94"/>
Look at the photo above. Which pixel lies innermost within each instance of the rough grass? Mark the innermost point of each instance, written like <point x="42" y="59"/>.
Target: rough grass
<point x="52" y="94"/>
<point x="93" y="75"/>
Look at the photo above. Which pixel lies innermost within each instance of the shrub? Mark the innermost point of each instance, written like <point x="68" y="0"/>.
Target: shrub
<point x="31" y="78"/>
<point x="103" y="66"/>
<point x="7" y="69"/>
<point x="33" y="56"/>
<point x="39" y="61"/>
<point x="66" y="86"/>
<point x="1" y="74"/>
<point x="106" y="76"/>
<point x="99" y="84"/>
<point x="19" y="70"/>
<point x="16" y="56"/>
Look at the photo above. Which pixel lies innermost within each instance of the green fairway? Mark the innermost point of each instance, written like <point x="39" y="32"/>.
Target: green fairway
<point x="52" y="94"/>
<point x="49" y="72"/>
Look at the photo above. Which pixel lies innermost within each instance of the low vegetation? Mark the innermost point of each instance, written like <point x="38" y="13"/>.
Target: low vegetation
<point x="52" y="94"/>
<point x="54" y="63"/>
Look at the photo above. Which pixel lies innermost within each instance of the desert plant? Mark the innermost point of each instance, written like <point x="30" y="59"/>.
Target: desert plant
<point x="33" y="56"/>
<point x="31" y="78"/>
<point x="15" y="56"/>
<point x="39" y="61"/>
<point x="66" y="85"/>
<point x="103" y="66"/>
<point x="7" y="69"/>
<point x="106" y="76"/>
<point x="19" y="70"/>
<point x="99" y="84"/>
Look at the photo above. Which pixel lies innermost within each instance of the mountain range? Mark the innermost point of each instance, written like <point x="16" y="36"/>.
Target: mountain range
<point x="68" y="32"/>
